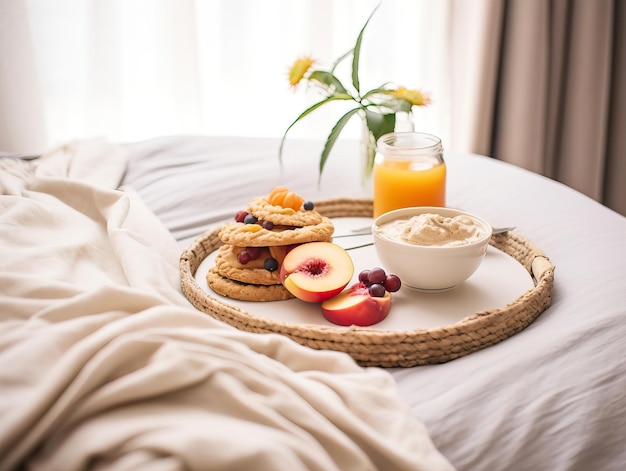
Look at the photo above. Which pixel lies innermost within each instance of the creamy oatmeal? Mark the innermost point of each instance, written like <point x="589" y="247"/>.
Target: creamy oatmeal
<point x="434" y="230"/>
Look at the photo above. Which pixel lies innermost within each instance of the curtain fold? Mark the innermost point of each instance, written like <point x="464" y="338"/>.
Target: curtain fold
<point x="614" y="195"/>
<point x="474" y="61"/>
<point x="558" y="109"/>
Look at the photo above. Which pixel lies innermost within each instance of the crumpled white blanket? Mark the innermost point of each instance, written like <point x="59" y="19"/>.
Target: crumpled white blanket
<point x="105" y="365"/>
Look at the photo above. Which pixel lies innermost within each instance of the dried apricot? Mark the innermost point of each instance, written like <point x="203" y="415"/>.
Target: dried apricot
<point x="277" y="195"/>
<point x="281" y="196"/>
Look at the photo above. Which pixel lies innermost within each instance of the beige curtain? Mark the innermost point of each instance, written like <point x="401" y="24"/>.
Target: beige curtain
<point x="548" y="80"/>
<point x="22" y="127"/>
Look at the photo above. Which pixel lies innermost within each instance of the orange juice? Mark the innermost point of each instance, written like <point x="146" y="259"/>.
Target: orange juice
<point x="408" y="172"/>
<point x="397" y="185"/>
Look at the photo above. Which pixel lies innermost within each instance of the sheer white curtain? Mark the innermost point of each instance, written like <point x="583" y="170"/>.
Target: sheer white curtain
<point x="135" y="69"/>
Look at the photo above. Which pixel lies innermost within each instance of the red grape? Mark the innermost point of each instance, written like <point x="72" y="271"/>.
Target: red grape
<point x="377" y="290"/>
<point x="377" y="275"/>
<point x="392" y="283"/>
<point x="243" y="257"/>
<point x="253" y="252"/>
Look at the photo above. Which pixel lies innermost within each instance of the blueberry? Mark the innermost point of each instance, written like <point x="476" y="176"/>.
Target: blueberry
<point x="308" y="205"/>
<point x="250" y="219"/>
<point x="270" y="264"/>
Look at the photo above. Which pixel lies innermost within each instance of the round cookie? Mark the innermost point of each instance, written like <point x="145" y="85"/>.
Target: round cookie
<point x="245" y="292"/>
<point x="265" y="211"/>
<point x="254" y="235"/>
<point x="252" y="272"/>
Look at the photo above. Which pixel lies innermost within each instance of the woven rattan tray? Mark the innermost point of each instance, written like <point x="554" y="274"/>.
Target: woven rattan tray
<point x="375" y="347"/>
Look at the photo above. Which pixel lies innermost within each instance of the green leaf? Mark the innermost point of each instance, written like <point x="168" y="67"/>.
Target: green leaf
<point x="357" y="53"/>
<point x="307" y="112"/>
<point x="380" y="124"/>
<point x="329" y="80"/>
<point x="332" y="138"/>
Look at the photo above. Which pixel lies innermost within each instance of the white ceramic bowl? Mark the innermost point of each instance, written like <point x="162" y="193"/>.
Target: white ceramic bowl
<point x="429" y="267"/>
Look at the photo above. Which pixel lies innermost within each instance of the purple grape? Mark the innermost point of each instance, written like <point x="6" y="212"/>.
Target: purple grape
<point x="377" y="275"/>
<point x="364" y="277"/>
<point x="377" y="290"/>
<point x="392" y="283"/>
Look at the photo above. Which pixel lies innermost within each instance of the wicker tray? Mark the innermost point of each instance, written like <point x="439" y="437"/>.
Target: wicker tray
<point x="375" y="347"/>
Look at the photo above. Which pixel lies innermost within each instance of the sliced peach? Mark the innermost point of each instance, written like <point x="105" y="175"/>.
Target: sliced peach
<point x="355" y="306"/>
<point x="316" y="271"/>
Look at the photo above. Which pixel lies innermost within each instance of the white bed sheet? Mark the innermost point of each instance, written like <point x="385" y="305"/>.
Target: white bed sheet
<point x="552" y="397"/>
<point x="105" y="365"/>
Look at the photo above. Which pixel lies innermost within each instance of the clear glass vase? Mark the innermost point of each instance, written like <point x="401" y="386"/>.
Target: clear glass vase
<point x="404" y="123"/>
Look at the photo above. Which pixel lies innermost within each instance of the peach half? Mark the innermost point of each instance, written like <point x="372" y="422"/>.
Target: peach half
<point x="316" y="271"/>
<point x="355" y="306"/>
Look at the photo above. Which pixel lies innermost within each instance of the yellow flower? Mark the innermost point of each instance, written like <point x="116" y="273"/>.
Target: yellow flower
<point x="299" y="69"/>
<point x="415" y="97"/>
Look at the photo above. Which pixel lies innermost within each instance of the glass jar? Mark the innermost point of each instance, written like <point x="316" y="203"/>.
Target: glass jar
<point x="409" y="170"/>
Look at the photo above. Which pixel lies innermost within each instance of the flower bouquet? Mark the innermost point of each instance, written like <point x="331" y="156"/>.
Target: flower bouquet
<point x="376" y="107"/>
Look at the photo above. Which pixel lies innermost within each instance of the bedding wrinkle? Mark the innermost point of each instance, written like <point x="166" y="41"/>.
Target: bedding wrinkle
<point x="104" y="364"/>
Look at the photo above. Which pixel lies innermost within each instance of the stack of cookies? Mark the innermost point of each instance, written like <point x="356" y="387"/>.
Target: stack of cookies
<point x="247" y="266"/>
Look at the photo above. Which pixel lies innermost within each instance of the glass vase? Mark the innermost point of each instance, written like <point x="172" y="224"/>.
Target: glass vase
<point x="404" y="123"/>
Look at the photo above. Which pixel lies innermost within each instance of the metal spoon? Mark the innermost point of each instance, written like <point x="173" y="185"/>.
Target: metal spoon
<point x="368" y="230"/>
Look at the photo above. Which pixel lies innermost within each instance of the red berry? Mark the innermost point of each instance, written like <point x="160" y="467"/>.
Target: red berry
<point x="240" y="215"/>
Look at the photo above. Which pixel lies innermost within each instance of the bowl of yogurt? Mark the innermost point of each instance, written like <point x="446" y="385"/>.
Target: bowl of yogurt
<point x="431" y="248"/>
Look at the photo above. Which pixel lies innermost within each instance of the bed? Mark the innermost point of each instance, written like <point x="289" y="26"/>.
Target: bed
<point x="105" y="364"/>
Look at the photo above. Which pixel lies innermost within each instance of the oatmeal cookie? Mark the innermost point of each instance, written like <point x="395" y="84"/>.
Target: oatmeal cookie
<point x="243" y="291"/>
<point x="252" y="272"/>
<point x="254" y="235"/>
<point x="265" y="211"/>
